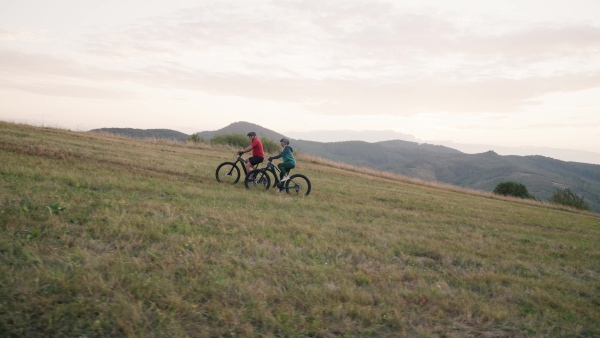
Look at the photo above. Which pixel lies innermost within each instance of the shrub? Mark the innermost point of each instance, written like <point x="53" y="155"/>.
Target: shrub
<point x="235" y="140"/>
<point x="512" y="189"/>
<point x="567" y="197"/>
<point x="195" y="138"/>
<point x="240" y="140"/>
<point x="270" y="146"/>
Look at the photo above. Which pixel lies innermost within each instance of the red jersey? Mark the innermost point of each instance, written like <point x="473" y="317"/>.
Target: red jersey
<point x="257" y="148"/>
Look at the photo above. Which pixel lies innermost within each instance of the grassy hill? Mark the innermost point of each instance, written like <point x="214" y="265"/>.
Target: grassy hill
<point x="167" y="134"/>
<point x="541" y="175"/>
<point x="105" y="236"/>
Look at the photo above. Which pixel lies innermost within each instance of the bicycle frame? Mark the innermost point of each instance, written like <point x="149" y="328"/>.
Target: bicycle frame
<point x="243" y="163"/>
<point x="272" y="168"/>
<point x="298" y="183"/>
<point x="232" y="170"/>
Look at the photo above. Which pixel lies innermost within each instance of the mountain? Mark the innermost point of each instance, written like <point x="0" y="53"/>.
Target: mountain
<point x="569" y="155"/>
<point x="483" y="171"/>
<point x="243" y="128"/>
<point x="347" y="135"/>
<point x="541" y="175"/>
<point x="374" y="136"/>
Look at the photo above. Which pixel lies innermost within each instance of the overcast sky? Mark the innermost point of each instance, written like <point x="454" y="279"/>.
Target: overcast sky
<point x="500" y="72"/>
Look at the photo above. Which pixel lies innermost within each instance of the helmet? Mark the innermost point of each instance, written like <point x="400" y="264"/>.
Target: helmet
<point x="285" y="140"/>
<point x="251" y="134"/>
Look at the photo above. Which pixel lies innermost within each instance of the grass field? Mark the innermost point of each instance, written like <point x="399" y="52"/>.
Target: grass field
<point x="105" y="236"/>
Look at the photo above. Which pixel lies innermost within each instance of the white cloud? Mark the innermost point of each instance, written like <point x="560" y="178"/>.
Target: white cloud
<point x="21" y="35"/>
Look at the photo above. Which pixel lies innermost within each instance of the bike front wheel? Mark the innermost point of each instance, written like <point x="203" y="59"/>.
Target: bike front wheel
<point x="257" y="180"/>
<point x="298" y="185"/>
<point x="228" y="172"/>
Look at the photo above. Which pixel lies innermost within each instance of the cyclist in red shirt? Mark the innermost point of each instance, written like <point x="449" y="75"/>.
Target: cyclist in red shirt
<point x="258" y="154"/>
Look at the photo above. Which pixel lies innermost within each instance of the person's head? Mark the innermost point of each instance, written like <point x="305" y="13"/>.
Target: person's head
<point x="284" y="141"/>
<point x="251" y="135"/>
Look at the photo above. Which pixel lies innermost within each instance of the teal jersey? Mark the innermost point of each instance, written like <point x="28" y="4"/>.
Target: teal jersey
<point x="287" y="155"/>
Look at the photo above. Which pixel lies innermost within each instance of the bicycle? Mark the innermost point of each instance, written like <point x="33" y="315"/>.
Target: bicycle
<point x="229" y="172"/>
<point x="297" y="183"/>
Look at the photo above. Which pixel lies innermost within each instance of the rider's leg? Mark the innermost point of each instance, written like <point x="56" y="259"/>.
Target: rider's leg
<point x="284" y="169"/>
<point x="248" y="166"/>
<point x="253" y="161"/>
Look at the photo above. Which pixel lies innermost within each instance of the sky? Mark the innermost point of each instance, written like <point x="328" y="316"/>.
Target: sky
<point x="510" y="73"/>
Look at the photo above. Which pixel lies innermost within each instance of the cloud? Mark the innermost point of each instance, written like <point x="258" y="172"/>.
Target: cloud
<point x="49" y="75"/>
<point x="21" y="35"/>
<point x="16" y="64"/>
<point x="351" y="57"/>
<point x="351" y="37"/>
<point x="73" y="91"/>
<point x="351" y="96"/>
<point x="536" y="126"/>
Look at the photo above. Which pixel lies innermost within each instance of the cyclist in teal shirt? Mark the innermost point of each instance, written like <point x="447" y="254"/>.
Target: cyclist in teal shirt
<point x="289" y="162"/>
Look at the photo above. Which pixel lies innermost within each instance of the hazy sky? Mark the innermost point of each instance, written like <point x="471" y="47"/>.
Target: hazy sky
<point x="500" y="72"/>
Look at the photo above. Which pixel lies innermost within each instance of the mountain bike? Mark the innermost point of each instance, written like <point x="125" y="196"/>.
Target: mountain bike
<point x="297" y="184"/>
<point x="229" y="172"/>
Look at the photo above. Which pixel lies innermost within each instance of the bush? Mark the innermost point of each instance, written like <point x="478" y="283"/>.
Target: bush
<point x="195" y="138"/>
<point x="241" y="141"/>
<point x="270" y="146"/>
<point x="512" y="189"/>
<point x="235" y="140"/>
<point x="567" y="197"/>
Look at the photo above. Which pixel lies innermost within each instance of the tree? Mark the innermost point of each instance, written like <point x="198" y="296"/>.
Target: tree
<point x="512" y="189"/>
<point x="567" y="197"/>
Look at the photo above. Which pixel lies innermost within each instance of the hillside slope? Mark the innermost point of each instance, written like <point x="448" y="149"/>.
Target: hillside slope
<point x="541" y="175"/>
<point x="105" y="236"/>
<point x="167" y="134"/>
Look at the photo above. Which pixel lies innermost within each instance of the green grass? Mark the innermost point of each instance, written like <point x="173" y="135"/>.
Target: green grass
<point x="104" y="236"/>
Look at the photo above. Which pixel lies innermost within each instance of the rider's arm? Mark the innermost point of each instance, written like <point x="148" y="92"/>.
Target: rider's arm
<point x="285" y="151"/>
<point x="247" y="149"/>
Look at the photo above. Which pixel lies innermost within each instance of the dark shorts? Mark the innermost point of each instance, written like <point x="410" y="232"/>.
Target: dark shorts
<point x="256" y="160"/>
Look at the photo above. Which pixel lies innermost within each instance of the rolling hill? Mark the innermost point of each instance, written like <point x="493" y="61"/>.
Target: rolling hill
<point x="145" y="133"/>
<point x="111" y="236"/>
<point x="541" y="175"/>
<point x="242" y="128"/>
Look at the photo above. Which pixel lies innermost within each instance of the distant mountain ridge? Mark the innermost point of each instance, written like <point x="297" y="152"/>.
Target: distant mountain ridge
<point x="243" y="128"/>
<point x="541" y="175"/>
<point x="350" y="135"/>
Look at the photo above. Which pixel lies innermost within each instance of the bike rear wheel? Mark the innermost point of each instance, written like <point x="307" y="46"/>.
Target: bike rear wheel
<point x="297" y="185"/>
<point x="257" y="180"/>
<point x="228" y="172"/>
